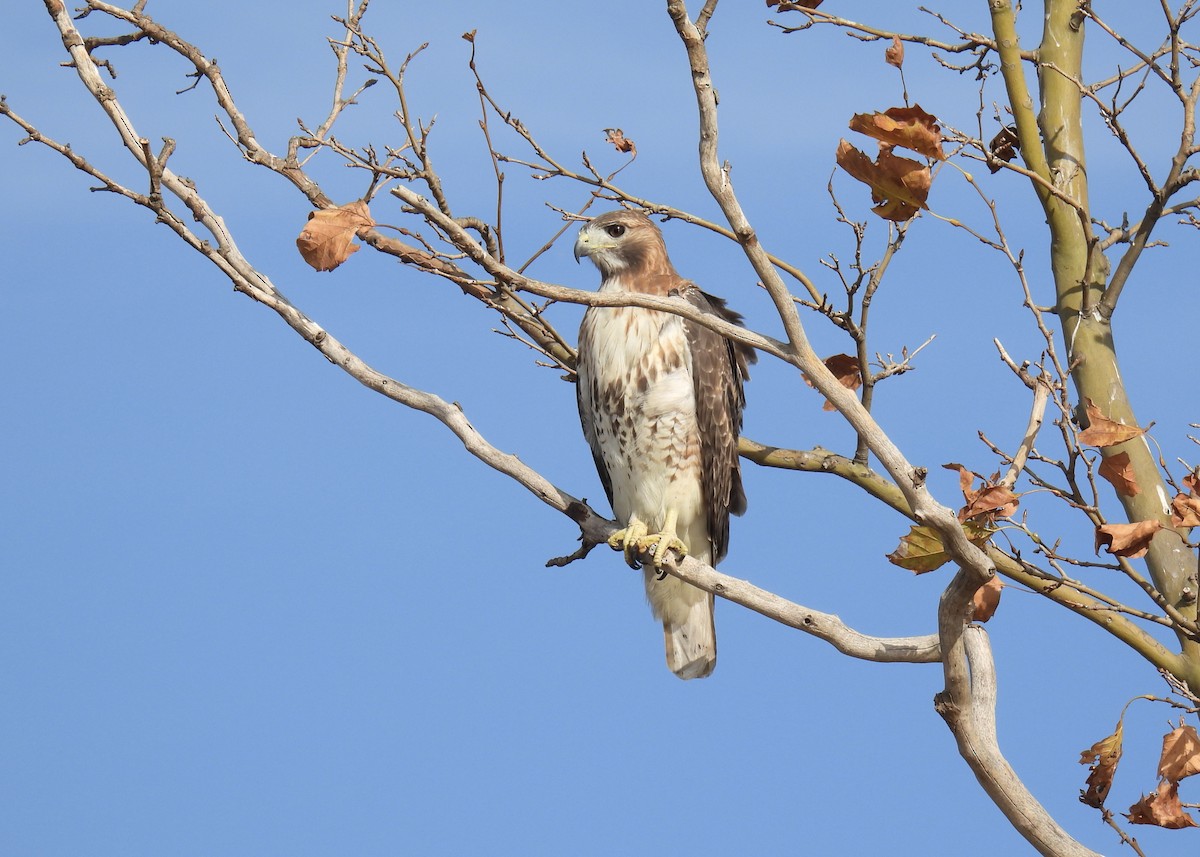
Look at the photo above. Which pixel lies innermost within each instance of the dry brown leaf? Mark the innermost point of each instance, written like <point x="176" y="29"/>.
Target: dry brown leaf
<point x="909" y="127"/>
<point x="1161" y="808"/>
<point x="965" y="477"/>
<point x="1117" y="470"/>
<point x="1192" y="482"/>
<point x="1127" y="540"/>
<point x="1103" y="756"/>
<point x="845" y="368"/>
<point x="895" y="54"/>
<point x="987" y="503"/>
<point x="1003" y="147"/>
<point x="900" y="186"/>
<point x="1185" y="511"/>
<point x="327" y="240"/>
<point x="1180" y="754"/>
<point x="620" y="142"/>
<point x="986" y="599"/>
<point x="1102" y="431"/>
<point x="785" y="6"/>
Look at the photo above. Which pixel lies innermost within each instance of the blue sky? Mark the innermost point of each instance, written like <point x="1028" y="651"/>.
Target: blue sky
<point x="251" y="608"/>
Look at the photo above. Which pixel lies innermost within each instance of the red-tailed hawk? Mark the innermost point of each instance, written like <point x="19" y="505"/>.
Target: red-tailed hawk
<point x="661" y="403"/>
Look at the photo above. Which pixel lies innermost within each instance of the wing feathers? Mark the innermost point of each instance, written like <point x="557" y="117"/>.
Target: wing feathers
<point x="719" y="370"/>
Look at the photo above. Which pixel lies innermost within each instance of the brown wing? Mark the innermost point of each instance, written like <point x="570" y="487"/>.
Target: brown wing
<point x="719" y="369"/>
<point x="587" y="393"/>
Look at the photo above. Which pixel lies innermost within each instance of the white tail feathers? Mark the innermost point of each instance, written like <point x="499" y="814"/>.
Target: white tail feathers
<point x="692" y="646"/>
<point x="688" y="630"/>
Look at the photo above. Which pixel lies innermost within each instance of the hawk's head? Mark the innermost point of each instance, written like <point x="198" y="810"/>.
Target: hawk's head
<point x="623" y="242"/>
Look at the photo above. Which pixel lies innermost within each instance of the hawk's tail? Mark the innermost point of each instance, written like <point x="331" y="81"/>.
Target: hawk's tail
<point x="688" y="630"/>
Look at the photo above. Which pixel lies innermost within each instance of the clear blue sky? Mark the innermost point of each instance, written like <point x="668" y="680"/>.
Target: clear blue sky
<point x="248" y="607"/>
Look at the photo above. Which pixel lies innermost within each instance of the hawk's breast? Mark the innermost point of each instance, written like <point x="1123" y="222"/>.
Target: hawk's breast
<point x="636" y="382"/>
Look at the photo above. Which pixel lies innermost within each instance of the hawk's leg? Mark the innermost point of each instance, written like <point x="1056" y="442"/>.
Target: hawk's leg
<point x="636" y="539"/>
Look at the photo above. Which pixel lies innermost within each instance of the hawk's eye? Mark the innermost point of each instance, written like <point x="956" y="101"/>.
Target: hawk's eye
<point x="615" y="231"/>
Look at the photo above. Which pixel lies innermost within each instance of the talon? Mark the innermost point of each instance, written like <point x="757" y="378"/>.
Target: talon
<point x="636" y="540"/>
<point x="629" y="542"/>
<point x="667" y="542"/>
<point x="667" y="539"/>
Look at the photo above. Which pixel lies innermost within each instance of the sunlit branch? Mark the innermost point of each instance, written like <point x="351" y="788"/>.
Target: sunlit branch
<point x="1004" y="25"/>
<point x="824" y="626"/>
<point x="971" y="715"/>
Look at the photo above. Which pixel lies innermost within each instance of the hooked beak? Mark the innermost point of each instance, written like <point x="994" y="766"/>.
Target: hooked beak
<point x="582" y="245"/>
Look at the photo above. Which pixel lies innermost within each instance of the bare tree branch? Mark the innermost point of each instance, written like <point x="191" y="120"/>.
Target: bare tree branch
<point x="969" y="708"/>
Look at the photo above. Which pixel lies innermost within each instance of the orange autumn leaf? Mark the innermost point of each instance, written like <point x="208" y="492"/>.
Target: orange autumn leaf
<point x="1103" y="757"/>
<point x="1161" y="808"/>
<point x="845" y="368"/>
<point x="620" y="142"/>
<point x="894" y="55"/>
<point x="1117" y="470"/>
<point x="1180" y="754"/>
<point x="986" y="599"/>
<point x="1127" y="540"/>
<point x="1185" y="511"/>
<point x="990" y="501"/>
<point x="328" y="238"/>
<point x="898" y="185"/>
<point x="1102" y="431"/>
<point x="909" y="127"/>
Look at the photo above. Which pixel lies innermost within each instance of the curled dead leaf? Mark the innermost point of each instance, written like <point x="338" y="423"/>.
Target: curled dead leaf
<point x="1185" y="511"/>
<point x="986" y="503"/>
<point x="898" y="185"/>
<point x="1162" y="808"/>
<point x="328" y="238"/>
<point x="1127" y="540"/>
<point x="986" y="599"/>
<point x="894" y="55"/>
<point x="845" y="368"/>
<point x="1003" y="147"/>
<point x="1118" y="471"/>
<point x="622" y="144"/>
<point x="1102" y="432"/>
<point x="1103" y="757"/>
<point x="1180" y="754"/>
<point x="908" y="127"/>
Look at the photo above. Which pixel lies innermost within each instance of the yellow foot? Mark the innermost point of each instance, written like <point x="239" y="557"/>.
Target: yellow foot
<point x="636" y="540"/>
<point x="627" y="540"/>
